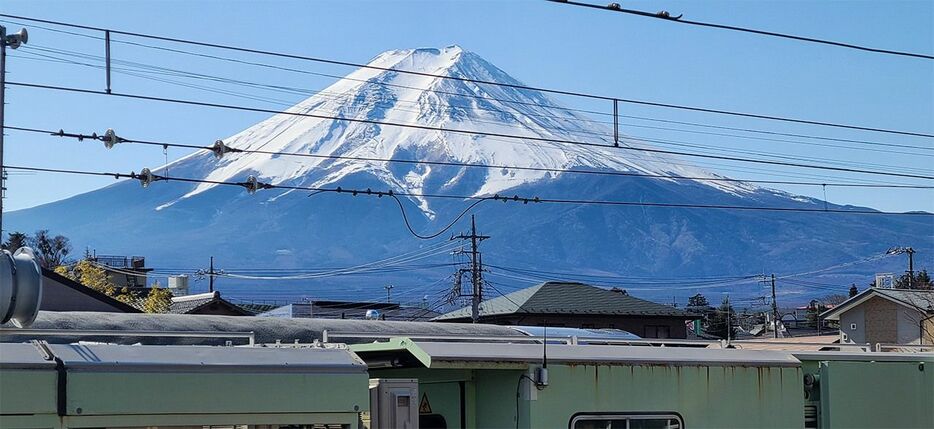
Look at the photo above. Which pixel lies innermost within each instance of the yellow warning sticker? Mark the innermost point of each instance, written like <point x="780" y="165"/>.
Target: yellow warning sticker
<point x="423" y="406"/>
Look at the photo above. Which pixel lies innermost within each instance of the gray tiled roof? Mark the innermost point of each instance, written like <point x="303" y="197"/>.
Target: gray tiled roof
<point x="568" y="298"/>
<point x="921" y="299"/>
<point x="185" y="306"/>
<point x="191" y="303"/>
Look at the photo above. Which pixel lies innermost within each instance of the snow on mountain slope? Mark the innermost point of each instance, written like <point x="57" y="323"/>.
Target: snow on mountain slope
<point x="179" y="225"/>
<point x="438" y="105"/>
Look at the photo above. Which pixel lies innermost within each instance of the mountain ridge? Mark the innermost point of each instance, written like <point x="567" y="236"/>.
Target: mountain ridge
<point x="172" y="221"/>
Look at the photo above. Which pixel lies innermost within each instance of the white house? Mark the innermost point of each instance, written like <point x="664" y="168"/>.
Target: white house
<point x="887" y="316"/>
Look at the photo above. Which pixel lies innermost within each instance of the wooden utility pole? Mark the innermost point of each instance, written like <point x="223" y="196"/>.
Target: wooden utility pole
<point x="476" y="268"/>
<point x="775" y="309"/>
<point x="211" y="273"/>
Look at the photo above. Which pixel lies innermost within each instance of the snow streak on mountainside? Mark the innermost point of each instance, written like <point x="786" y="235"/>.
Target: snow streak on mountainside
<point x="388" y="96"/>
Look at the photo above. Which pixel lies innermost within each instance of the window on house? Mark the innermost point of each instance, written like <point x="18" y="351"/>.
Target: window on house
<point x="626" y="421"/>
<point x="852" y="326"/>
<point x="657" y="331"/>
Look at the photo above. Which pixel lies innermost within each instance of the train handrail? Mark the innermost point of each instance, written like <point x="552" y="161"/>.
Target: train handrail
<point x="327" y="336"/>
<point x="576" y="340"/>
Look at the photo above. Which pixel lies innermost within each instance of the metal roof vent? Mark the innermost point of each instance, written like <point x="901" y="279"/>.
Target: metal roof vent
<point x="20" y="287"/>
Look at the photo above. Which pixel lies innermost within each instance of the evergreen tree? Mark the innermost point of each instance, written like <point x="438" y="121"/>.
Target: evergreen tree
<point x="90" y="275"/>
<point x="920" y="280"/>
<point x="698" y="301"/>
<point x="14" y="241"/>
<point x="722" y="320"/>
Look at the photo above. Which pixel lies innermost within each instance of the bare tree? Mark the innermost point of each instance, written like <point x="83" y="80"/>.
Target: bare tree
<point x="52" y="251"/>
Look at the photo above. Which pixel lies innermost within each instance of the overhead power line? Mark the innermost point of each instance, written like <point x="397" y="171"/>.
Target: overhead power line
<point x="94" y="136"/>
<point x="874" y="166"/>
<point x="241" y="49"/>
<point x="458" y="131"/>
<point x="279" y="88"/>
<point x="665" y="16"/>
<point x="252" y="185"/>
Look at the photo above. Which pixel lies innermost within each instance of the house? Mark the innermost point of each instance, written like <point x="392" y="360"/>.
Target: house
<point x="887" y="316"/>
<point x="124" y="271"/>
<point x="59" y="293"/>
<point x="577" y="305"/>
<point x="206" y="303"/>
<point x="351" y="310"/>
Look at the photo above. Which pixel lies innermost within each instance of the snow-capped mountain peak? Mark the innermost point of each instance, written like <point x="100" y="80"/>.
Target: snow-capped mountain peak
<point x="349" y="119"/>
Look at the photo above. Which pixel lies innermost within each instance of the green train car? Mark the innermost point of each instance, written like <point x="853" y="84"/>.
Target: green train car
<point x="481" y="382"/>
<point x="500" y="385"/>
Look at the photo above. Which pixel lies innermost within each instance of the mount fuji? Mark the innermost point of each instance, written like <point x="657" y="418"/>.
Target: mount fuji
<point x="177" y="225"/>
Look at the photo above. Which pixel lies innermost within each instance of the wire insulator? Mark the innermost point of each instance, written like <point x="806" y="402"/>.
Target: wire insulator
<point x="219" y="149"/>
<point x="145" y="177"/>
<point x="252" y="185"/>
<point x="110" y="138"/>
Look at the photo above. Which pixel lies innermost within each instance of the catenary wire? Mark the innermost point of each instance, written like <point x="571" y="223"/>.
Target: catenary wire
<point x="566" y="131"/>
<point x="570" y="132"/>
<point x="516" y="198"/>
<point x="614" y="7"/>
<point x="475" y="81"/>
<point x="475" y="165"/>
<point x="453" y="130"/>
<point x="325" y="94"/>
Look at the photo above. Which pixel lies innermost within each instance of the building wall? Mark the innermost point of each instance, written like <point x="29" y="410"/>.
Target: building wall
<point x="928" y="331"/>
<point x="881" y="320"/>
<point x="58" y="297"/>
<point x="855" y="315"/>
<point x="121" y="279"/>
<point x="909" y="325"/>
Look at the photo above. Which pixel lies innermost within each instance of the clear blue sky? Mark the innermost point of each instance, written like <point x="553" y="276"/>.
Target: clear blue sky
<point x="542" y="44"/>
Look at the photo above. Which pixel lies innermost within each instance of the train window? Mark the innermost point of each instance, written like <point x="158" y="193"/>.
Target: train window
<point x="626" y="421"/>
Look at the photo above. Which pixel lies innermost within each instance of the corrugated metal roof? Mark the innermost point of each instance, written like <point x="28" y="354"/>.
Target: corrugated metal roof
<point x="266" y="329"/>
<point x="21" y="355"/>
<point x="568" y="298"/>
<point x="201" y="358"/>
<point x="109" y="357"/>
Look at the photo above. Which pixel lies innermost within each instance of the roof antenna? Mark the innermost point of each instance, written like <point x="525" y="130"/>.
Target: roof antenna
<point x="541" y="375"/>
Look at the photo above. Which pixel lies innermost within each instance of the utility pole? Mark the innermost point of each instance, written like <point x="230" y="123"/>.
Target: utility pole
<point x="911" y="262"/>
<point x="2" y="124"/>
<point x="211" y="278"/>
<point x="388" y="293"/>
<point x="729" y="323"/>
<point x="13" y="41"/>
<point x="476" y="294"/>
<point x="775" y="309"/>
